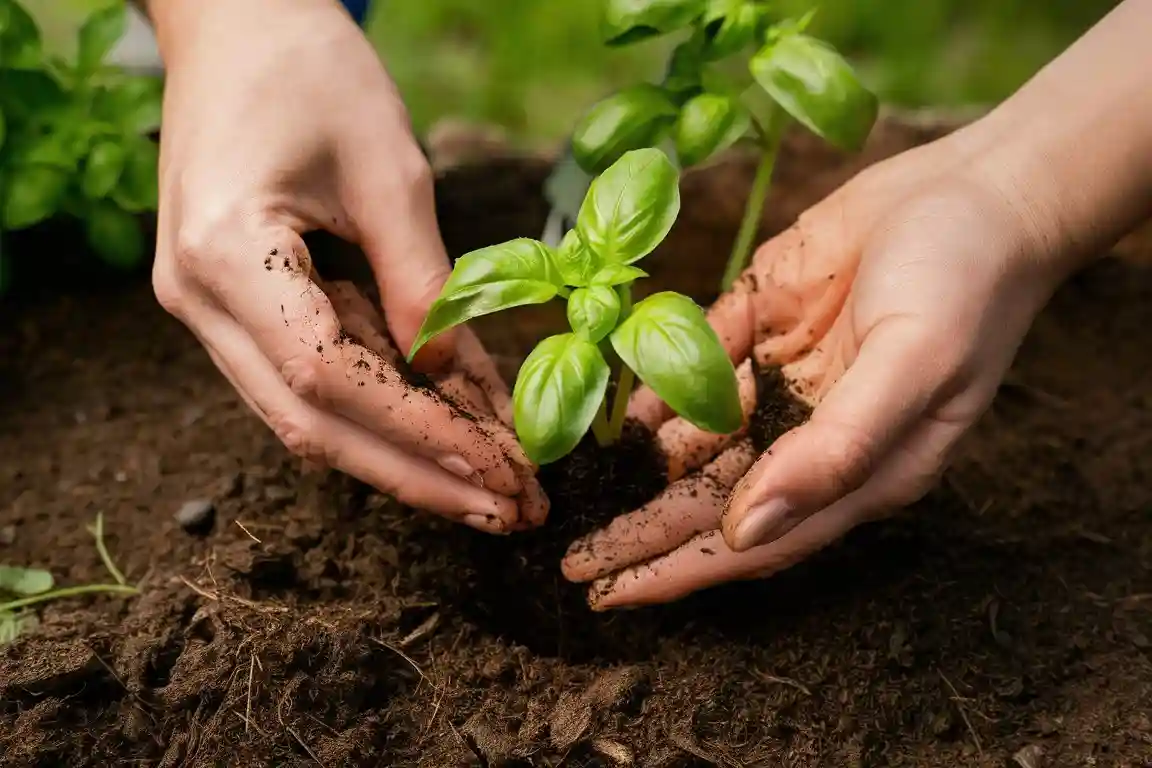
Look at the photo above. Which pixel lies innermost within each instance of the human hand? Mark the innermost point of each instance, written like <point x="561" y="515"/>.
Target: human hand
<point x="895" y="306"/>
<point x="279" y="120"/>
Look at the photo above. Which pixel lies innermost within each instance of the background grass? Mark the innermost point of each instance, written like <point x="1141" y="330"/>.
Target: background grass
<point x="533" y="65"/>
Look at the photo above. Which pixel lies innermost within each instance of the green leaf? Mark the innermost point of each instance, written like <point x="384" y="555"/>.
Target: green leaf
<point x="731" y="26"/>
<point x="102" y="169"/>
<point x="12" y="625"/>
<point x="115" y="235"/>
<point x="685" y="66"/>
<point x="668" y="342"/>
<point x="138" y="189"/>
<point x="492" y="279"/>
<point x="593" y="312"/>
<point x="816" y="86"/>
<point x="557" y="393"/>
<point x="20" y="42"/>
<point x="629" y="21"/>
<point x="3" y="127"/>
<point x="630" y="119"/>
<point x="24" y="582"/>
<point x="574" y="261"/>
<point x="617" y="274"/>
<point x="30" y="194"/>
<point x="99" y="35"/>
<point x="631" y="207"/>
<point x="709" y="123"/>
<point x="31" y="95"/>
<point x="133" y="104"/>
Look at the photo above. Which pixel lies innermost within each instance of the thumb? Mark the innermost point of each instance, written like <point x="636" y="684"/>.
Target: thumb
<point x="401" y="239"/>
<point x="885" y="391"/>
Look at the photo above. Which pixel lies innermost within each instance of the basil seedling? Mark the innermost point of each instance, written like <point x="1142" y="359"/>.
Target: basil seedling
<point x="739" y="74"/>
<point x="74" y="135"/>
<point x="664" y="340"/>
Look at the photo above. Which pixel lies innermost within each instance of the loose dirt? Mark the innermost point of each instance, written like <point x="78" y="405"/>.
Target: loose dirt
<point x="1005" y="620"/>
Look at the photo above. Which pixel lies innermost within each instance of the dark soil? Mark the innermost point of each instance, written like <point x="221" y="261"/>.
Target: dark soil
<point x="317" y="623"/>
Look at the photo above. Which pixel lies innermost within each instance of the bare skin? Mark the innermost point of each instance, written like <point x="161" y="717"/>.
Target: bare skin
<point x="895" y="307"/>
<point x="278" y="120"/>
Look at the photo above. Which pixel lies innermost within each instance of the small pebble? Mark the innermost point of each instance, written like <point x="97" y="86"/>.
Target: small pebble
<point x="197" y="516"/>
<point x="7" y="535"/>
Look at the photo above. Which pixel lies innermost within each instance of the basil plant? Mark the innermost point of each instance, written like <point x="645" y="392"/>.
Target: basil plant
<point x="738" y="74"/>
<point x="75" y="135"/>
<point x="664" y="340"/>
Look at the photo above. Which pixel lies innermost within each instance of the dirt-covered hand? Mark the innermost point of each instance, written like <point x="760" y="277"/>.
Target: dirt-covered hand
<point x="895" y="306"/>
<point x="279" y="120"/>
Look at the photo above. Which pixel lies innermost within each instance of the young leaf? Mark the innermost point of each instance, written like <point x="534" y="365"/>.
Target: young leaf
<point x="815" y="85"/>
<point x="30" y="194"/>
<point x="102" y="169"/>
<point x="138" y="190"/>
<point x="631" y="207"/>
<point x="575" y="262"/>
<point x="630" y="119"/>
<point x="133" y="104"/>
<point x="12" y="625"/>
<point x="709" y="123"/>
<point x="30" y="95"/>
<point x="99" y="35"/>
<point x="593" y="312"/>
<point x="20" y="39"/>
<point x="668" y="342"/>
<point x="492" y="279"/>
<point x="24" y="582"/>
<point x="685" y="66"/>
<point x="114" y="235"/>
<point x="557" y="393"/>
<point x="629" y="21"/>
<point x="730" y="25"/>
<point x="617" y="274"/>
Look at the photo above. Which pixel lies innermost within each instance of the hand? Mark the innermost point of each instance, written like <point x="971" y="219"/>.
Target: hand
<point x="895" y="306"/>
<point x="279" y="120"/>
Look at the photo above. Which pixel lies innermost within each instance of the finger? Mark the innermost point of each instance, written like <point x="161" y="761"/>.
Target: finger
<point x="705" y="561"/>
<point x="297" y="330"/>
<point x="687" y="447"/>
<point x="329" y="440"/>
<point x="684" y="509"/>
<point x="404" y="247"/>
<point x="481" y="367"/>
<point x="889" y="387"/>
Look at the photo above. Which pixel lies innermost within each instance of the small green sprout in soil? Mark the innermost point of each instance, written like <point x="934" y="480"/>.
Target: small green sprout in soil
<point x="739" y="74"/>
<point x="26" y="587"/>
<point x="75" y="135"/>
<point x="665" y="339"/>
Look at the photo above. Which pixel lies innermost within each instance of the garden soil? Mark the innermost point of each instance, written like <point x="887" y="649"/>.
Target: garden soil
<point x="1005" y="620"/>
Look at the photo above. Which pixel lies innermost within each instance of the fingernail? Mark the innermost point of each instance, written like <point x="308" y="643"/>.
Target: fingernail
<point x="486" y="523"/>
<point x="759" y="523"/>
<point x="457" y="465"/>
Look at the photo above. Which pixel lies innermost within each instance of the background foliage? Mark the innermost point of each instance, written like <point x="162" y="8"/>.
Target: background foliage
<point x="534" y="65"/>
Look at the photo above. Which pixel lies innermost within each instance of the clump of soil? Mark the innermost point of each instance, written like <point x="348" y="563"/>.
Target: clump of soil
<point x="319" y="623"/>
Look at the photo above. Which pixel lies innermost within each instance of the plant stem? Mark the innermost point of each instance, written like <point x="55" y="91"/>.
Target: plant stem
<point x="97" y="532"/>
<point x="56" y="594"/>
<point x="769" y="147"/>
<point x="600" y="429"/>
<point x="620" y="404"/>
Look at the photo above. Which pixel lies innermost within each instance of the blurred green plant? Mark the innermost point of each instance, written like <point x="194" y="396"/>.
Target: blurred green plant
<point x="741" y="73"/>
<point x="75" y="135"/>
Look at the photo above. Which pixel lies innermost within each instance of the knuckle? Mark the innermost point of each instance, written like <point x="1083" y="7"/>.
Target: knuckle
<point x="298" y="432"/>
<point x="169" y="291"/>
<point x="304" y="375"/>
<point x="850" y="456"/>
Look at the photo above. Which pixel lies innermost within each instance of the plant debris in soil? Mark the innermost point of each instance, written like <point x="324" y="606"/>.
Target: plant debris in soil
<point x="319" y="623"/>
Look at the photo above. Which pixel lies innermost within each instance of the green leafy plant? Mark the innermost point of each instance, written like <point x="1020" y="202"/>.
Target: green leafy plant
<point x="26" y="587"/>
<point x="739" y="74"/>
<point x="75" y="135"/>
<point x="664" y="339"/>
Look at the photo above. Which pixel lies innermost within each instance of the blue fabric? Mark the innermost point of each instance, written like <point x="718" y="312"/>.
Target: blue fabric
<point x="358" y="9"/>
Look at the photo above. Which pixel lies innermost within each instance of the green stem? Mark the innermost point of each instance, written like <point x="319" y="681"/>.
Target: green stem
<point x="770" y="145"/>
<point x="97" y="532"/>
<point x="600" y="429"/>
<point x="620" y="404"/>
<point x="56" y="594"/>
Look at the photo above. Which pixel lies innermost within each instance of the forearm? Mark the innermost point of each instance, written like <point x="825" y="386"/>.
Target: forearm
<point x="1072" y="150"/>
